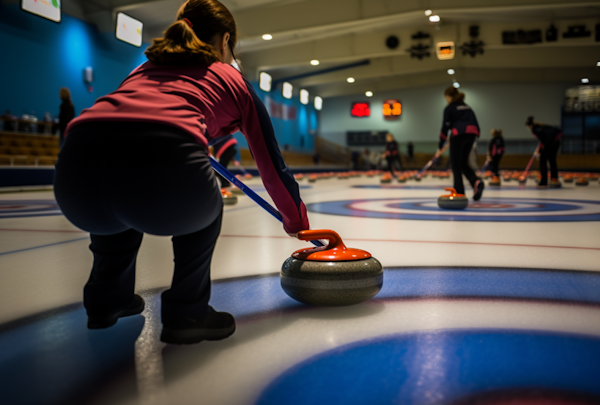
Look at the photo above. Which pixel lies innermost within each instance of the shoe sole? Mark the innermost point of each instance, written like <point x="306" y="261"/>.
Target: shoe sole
<point x="191" y="336"/>
<point x="103" y="322"/>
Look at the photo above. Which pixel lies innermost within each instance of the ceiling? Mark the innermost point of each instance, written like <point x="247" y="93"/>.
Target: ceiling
<point x="343" y="32"/>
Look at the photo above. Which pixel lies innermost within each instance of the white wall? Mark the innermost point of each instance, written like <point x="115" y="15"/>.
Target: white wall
<point x="501" y="105"/>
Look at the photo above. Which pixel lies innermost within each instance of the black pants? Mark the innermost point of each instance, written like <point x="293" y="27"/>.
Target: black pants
<point x="119" y="180"/>
<point x="494" y="165"/>
<point x="390" y="163"/>
<point x="226" y="158"/>
<point x="460" y="148"/>
<point x="548" y="154"/>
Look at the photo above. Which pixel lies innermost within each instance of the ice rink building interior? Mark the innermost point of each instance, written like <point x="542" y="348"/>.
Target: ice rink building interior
<point x="486" y="297"/>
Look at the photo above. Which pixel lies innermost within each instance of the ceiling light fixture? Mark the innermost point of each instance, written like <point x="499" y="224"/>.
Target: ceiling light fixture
<point x="267" y="37"/>
<point x="428" y="12"/>
<point x="369" y="94"/>
<point x="456" y="85"/>
<point x="434" y="18"/>
<point x="350" y="80"/>
<point x="314" y="62"/>
<point x="318" y="103"/>
<point x="451" y="72"/>
<point x="585" y="80"/>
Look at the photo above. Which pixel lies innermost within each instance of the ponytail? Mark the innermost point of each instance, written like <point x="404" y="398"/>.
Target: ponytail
<point x="187" y="41"/>
<point x="457" y="97"/>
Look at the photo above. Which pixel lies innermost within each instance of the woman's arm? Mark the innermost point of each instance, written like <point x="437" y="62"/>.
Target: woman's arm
<point x="277" y="177"/>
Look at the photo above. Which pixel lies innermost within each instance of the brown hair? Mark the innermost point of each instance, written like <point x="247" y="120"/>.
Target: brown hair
<point x="183" y="44"/>
<point x="497" y="132"/>
<point x="454" y="94"/>
<point x="530" y="122"/>
<point x="65" y="95"/>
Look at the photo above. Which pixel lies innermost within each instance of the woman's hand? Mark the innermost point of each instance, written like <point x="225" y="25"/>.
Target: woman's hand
<point x="438" y="153"/>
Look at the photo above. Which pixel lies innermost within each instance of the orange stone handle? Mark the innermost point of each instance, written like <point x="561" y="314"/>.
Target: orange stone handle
<point x="334" y="240"/>
<point x="452" y="192"/>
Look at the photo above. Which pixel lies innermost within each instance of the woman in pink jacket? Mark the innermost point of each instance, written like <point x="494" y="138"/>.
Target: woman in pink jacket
<point x="137" y="162"/>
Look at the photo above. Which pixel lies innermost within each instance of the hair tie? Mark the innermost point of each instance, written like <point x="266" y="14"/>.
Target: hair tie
<point x="188" y="22"/>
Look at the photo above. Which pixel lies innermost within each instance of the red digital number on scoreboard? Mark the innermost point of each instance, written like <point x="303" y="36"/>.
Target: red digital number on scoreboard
<point x="361" y="110"/>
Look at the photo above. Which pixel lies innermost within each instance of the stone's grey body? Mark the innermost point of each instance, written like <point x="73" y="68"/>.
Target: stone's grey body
<point x="401" y="179"/>
<point x="237" y="191"/>
<point x="230" y="200"/>
<point x="385" y="181"/>
<point x="568" y="179"/>
<point x="495" y="183"/>
<point x="583" y="182"/>
<point x="331" y="283"/>
<point x="453" y="203"/>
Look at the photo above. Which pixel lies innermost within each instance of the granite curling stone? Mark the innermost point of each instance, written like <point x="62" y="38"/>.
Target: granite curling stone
<point x="332" y="275"/>
<point x="582" y="181"/>
<point x="523" y="179"/>
<point x="555" y="183"/>
<point x="453" y="201"/>
<point x="228" y="198"/>
<point x="495" y="181"/>
<point x="386" y="178"/>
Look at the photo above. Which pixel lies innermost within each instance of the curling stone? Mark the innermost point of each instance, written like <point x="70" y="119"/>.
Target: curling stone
<point x="228" y="198"/>
<point x="554" y="183"/>
<point x="582" y="181"/>
<point x="522" y="179"/>
<point x="298" y="176"/>
<point x="568" y="178"/>
<point x="453" y="201"/>
<point x="312" y="178"/>
<point x="401" y="179"/>
<point x="248" y="176"/>
<point x="495" y="181"/>
<point x="332" y="275"/>
<point x="386" y="178"/>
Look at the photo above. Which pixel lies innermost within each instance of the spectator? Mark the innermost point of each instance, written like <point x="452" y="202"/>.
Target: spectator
<point x="67" y="113"/>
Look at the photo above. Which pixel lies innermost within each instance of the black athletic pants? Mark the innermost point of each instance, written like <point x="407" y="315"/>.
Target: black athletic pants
<point x="120" y="180"/>
<point x="494" y="165"/>
<point x="548" y="154"/>
<point x="225" y="158"/>
<point x="460" y="148"/>
<point x="390" y="163"/>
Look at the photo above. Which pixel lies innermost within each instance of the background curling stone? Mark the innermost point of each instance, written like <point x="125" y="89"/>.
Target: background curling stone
<point x="386" y="178"/>
<point x="312" y="178"/>
<point x="495" y="181"/>
<point x="453" y="201"/>
<point x="228" y="198"/>
<point x="333" y="275"/>
<point x="582" y="181"/>
<point x="554" y="183"/>
<point x="401" y="179"/>
<point x="522" y="179"/>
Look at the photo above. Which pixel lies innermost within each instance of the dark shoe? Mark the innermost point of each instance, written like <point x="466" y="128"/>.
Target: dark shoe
<point x="214" y="326"/>
<point x="478" y="190"/>
<point x="555" y="183"/>
<point x="542" y="185"/>
<point x="101" y="321"/>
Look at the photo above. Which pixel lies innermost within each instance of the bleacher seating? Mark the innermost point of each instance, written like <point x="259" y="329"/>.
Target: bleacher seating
<point x="27" y="149"/>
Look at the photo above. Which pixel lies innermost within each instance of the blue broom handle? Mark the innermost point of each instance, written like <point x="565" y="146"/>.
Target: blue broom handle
<point x="219" y="168"/>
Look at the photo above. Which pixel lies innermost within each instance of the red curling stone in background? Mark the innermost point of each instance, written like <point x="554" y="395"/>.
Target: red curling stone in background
<point x="453" y="201"/>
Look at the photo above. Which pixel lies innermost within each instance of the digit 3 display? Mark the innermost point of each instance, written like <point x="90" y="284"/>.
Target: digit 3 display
<point x="361" y="109"/>
<point x="392" y="109"/>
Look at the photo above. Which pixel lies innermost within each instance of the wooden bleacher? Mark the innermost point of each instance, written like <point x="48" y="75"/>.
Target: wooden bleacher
<point x="28" y="149"/>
